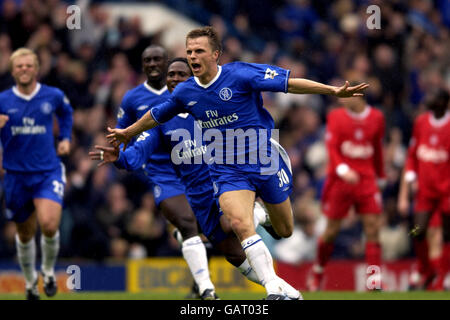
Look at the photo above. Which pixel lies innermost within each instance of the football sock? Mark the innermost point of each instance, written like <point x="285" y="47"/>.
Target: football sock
<point x="194" y="252"/>
<point x="26" y="254"/>
<point x="261" y="261"/>
<point x="436" y="264"/>
<point x="49" y="249"/>
<point x="246" y="269"/>
<point x="423" y="260"/>
<point x="324" y="251"/>
<point x="373" y="253"/>
<point x="445" y="261"/>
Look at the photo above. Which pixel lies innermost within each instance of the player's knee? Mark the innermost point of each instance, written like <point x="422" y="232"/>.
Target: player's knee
<point x="371" y="233"/>
<point x="239" y="226"/>
<point x="49" y="227"/>
<point x="26" y="236"/>
<point x="329" y="235"/>
<point x="26" y="232"/>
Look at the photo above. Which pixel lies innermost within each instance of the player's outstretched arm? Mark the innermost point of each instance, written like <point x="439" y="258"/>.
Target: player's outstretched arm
<point x="118" y="136"/>
<point x="298" y="85"/>
<point x="104" y="154"/>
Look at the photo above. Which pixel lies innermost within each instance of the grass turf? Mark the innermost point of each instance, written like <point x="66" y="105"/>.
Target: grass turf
<point x="327" y="295"/>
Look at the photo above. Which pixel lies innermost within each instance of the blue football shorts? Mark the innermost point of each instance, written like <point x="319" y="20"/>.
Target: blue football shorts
<point x="21" y="188"/>
<point x="273" y="185"/>
<point x="165" y="185"/>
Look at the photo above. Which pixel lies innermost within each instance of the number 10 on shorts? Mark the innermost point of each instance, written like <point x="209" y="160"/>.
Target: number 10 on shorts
<point x="284" y="179"/>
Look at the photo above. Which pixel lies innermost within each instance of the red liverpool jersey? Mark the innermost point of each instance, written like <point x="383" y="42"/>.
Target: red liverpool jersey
<point x="355" y="140"/>
<point x="429" y="155"/>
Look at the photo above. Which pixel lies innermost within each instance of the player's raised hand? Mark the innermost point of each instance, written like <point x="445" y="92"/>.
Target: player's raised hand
<point x="118" y="136"/>
<point x="3" y="119"/>
<point x="346" y="91"/>
<point x="63" y="148"/>
<point x="104" y="154"/>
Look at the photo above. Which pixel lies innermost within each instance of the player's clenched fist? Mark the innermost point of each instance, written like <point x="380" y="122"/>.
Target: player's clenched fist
<point x="3" y="119"/>
<point x="63" y="147"/>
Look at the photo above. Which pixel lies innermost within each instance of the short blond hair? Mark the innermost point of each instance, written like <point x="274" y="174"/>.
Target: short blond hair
<point x="23" y="52"/>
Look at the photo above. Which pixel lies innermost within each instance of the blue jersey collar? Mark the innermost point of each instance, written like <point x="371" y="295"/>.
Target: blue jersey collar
<point x="205" y="86"/>
<point x="27" y="97"/>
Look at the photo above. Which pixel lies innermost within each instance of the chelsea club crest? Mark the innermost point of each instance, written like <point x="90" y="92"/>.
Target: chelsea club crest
<point x="225" y="94"/>
<point x="46" y="108"/>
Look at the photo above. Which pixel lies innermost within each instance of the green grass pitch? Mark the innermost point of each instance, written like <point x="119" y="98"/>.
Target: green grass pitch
<point x="327" y="295"/>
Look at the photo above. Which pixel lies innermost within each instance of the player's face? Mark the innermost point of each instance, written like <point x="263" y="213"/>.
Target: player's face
<point x="353" y="104"/>
<point x="24" y="70"/>
<point x="201" y="57"/>
<point x="154" y="64"/>
<point x="178" y="72"/>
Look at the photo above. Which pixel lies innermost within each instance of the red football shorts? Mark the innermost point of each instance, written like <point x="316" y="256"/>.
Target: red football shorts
<point x="435" y="205"/>
<point x="338" y="197"/>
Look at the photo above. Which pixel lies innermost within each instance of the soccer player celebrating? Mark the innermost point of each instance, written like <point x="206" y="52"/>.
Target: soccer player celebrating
<point x="227" y="100"/>
<point x="428" y="163"/>
<point x="35" y="176"/>
<point x="168" y="191"/>
<point x="354" y="142"/>
<point x="194" y="175"/>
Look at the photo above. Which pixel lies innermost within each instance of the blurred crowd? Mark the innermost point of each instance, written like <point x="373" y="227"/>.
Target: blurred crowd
<point x="110" y="214"/>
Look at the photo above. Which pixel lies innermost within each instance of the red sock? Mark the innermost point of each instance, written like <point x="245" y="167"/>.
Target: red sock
<point x="445" y="260"/>
<point x="436" y="264"/>
<point x="423" y="260"/>
<point x="324" y="251"/>
<point x="443" y="268"/>
<point x="373" y="253"/>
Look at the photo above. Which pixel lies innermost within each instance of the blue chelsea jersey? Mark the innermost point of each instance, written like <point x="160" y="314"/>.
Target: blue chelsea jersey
<point x="230" y="103"/>
<point x="135" y="104"/>
<point x="181" y="144"/>
<point x="27" y="137"/>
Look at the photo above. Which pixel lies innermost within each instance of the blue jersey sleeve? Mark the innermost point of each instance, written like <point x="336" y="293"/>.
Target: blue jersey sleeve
<point x="263" y="77"/>
<point x="64" y="115"/>
<point x="126" y="115"/>
<point x="138" y="154"/>
<point x="168" y="109"/>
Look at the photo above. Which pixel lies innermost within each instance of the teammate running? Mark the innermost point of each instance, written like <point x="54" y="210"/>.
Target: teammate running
<point x="35" y="176"/>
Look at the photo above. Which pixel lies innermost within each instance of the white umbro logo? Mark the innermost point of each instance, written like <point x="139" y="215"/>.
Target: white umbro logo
<point x="183" y="115"/>
<point x="270" y="74"/>
<point x="191" y="103"/>
<point x="143" y="107"/>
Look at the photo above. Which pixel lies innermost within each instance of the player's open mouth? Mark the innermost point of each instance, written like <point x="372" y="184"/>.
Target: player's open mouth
<point x="195" y="67"/>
